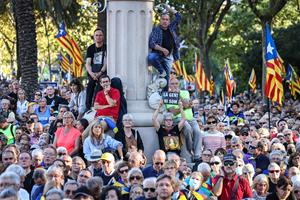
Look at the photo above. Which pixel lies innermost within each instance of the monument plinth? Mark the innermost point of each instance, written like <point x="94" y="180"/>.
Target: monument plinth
<point x="129" y="26"/>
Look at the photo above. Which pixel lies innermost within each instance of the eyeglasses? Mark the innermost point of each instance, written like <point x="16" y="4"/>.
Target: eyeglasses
<point x="149" y="189"/>
<point x="215" y="163"/>
<point x="244" y="134"/>
<point x="221" y="109"/>
<point x="228" y="163"/>
<point x="167" y="168"/>
<point x="38" y="94"/>
<point x="274" y="171"/>
<point x="123" y="171"/>
<point x="173" y="72"/>
<point x="62" y="154"/>
<point x="135" y="177"/>
<point x="212" y="122"/>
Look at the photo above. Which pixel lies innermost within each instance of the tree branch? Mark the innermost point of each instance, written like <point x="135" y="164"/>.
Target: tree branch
<point x="213" y="36"/>
<point x="213" y="12"/>
<point x="252" y="4"/>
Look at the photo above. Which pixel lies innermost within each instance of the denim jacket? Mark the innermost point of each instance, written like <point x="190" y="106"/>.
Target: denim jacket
<point x="156" y="36"/>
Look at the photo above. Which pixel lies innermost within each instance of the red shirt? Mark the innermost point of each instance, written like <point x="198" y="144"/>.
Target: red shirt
<point x="101" y="100"/>
<point x="243" y="190"/>
<point x="68" y="141"/>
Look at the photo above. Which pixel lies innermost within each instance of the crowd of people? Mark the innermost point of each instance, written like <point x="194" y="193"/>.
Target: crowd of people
<point x="54" y="147"/>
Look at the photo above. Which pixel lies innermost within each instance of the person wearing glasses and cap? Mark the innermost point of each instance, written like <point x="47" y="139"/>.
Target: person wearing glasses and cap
<point x="229" y="185"/>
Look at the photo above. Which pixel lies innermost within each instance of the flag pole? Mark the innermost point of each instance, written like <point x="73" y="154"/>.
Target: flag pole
<point x="269" y="114"/>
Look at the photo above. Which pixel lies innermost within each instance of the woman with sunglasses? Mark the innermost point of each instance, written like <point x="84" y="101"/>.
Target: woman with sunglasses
<point x="213" y="139"/>
<point x="215" y="164"/>
<point x="260" y="187"/>
<point x="283" y="190"/>
<point x="135" y="177"/>
<point x="248" y="173"/>
<point x="122" y="182"/>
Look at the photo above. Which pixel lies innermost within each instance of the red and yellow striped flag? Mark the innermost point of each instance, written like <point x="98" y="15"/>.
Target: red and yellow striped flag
<point x="252" y="81"/>
<point x="189" y="78"/>
<point x="230" y="84"/>
<point x="176" y="65"/>
<point x="70" y="46"/>
<point x="203" y="84"/>
<point x="273" y="86"/>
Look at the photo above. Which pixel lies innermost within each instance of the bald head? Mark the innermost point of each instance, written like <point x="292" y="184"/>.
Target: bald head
<point x="158" y="159"/>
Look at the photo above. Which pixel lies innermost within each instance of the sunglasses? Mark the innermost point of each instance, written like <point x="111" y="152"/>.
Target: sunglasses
<point x="70" y="192"/>
<point x="215" y="163"/>
<point x="252" y="147"/>
<point x="221" y="109"/>
<point x="244" y="134"/>
<point x="212" y="122"/>
<point x="296" y="191"/>
<point x="173" y="72"/>
<point x="159" y="163"/>
<point x="123" y="171"/>
<point x="149" y="189"/>
<point x="228" y="163"/>
<point x="38" y="94"/>
<point x="135" y="177"/>
<point x="273" y="171"/>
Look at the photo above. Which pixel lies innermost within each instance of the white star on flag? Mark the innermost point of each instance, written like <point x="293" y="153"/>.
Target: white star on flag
<point x="270" y="48"/>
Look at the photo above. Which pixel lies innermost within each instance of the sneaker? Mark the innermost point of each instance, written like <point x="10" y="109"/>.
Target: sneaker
<point x="163" y="74"/>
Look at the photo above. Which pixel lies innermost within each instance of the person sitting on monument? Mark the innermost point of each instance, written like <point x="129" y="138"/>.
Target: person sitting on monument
<point x="164" y="43"/>
<point x="191" y="128"/>
<point x="107" y="102"/>
<point x="168" y="133"/>
<point x="95" y="64"/>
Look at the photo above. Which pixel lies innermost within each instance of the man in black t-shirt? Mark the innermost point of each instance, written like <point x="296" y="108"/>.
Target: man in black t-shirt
<point x="95" y="64"/>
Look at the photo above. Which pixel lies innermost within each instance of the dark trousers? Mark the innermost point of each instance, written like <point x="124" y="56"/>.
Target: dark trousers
<point x="90" y="92"/>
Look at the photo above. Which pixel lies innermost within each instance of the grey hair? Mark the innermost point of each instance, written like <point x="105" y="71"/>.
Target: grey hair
<point x="36" y="152"/>
<point x="236" y="140"/>
<point x="128" y="116"/>
<point x="134" y="171"/>
<point x="72" y="182"/>
<point x="61" y="149"/>
<point x="17" y="169"/>
<point x="11" y="175"/>
<point x="273" y="165"/>
<point x="167" y="115"/>
<point x="296" y="183"/>
<point x="249" y="167"/>
<point x="55" y="191"/>
<point x="9" y="192"/>
<point x="203" y="167"/>
<point x="54" y="168"/>
<point x="276" y="152"/>
<point x="150" y="180"/>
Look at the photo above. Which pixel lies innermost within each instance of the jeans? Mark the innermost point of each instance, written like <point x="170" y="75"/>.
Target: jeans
<point x="161" y="63"/>
<point x="192" y="134"/>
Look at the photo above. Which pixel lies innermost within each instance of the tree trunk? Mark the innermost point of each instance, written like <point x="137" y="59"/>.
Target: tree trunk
<point x="27" y="43"/>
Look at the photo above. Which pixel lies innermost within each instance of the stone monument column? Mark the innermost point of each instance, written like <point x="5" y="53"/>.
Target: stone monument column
<point x="129" y="26"/>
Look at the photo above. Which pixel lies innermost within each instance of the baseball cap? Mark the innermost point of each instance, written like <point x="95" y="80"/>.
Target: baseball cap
<point x="229" y="156"/>
<point x="82" y="191"/>
<point x="108" y="157"/>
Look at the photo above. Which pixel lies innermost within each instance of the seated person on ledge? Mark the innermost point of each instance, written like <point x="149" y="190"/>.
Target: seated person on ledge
<point x="107" y="102"/>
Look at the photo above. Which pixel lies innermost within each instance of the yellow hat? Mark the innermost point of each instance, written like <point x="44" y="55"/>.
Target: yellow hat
<point x="108" y="157"/>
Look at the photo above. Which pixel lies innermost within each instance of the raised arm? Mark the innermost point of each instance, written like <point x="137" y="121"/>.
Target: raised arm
<point x="183" y="119"/>
<point x="155" y="115"/>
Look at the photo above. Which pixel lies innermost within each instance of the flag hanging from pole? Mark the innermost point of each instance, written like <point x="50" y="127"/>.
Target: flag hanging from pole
<point x="177" y="66"/>
<point x="294" y="81"/>
<point x="188" y="78"/>
<point x="252" y="81"/>
<point x="203" y="84"/>
<point x="230" y="84"/>
<point x="273" y="85"/>
<point x="70" y="46"/>
<point x="66" y="63"/>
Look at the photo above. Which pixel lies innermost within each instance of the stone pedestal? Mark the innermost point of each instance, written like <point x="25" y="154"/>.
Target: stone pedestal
<point x="128" y="30"/>
<point x="129" y="26"/>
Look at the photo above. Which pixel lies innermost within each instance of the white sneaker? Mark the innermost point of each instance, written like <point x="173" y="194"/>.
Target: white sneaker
<point x="163" y="74"/>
